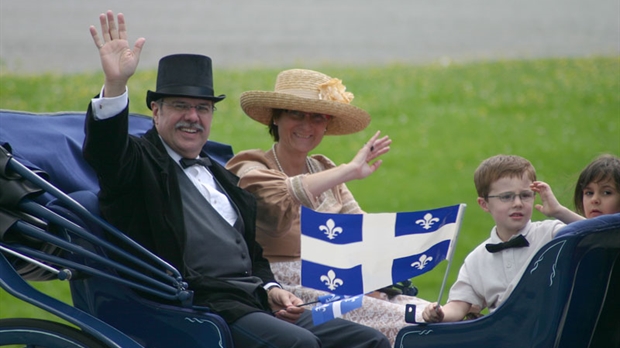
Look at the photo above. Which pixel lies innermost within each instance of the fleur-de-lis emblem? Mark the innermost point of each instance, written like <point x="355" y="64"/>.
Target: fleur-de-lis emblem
<point x="428" y="221"/>
<point x="351" y="299"/>
<point x="331" y="281"/>
<point x="330" y="229"/>
<point x="420" y="264"/>
<point x="321" y="308"/>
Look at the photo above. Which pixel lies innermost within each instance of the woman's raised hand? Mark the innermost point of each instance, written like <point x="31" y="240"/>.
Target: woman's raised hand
<point x="374" y="148"/>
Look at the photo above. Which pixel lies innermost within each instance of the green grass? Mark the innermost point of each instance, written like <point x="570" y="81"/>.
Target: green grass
<point x="558" y="113"/>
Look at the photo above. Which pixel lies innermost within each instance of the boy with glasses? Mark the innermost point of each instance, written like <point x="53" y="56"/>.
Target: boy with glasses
<point x="490" y="271"/>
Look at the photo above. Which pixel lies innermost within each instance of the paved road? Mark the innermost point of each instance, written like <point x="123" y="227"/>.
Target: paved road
<point x="37" y="36"/>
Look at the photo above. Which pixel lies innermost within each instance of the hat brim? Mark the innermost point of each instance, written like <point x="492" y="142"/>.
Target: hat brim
<point x="347" y="119"/>
<point x="154" y="96"/>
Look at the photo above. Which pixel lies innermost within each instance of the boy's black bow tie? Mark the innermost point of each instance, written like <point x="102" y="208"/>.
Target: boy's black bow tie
<point x="517" y="242"/>
<point x="188" y="162"/>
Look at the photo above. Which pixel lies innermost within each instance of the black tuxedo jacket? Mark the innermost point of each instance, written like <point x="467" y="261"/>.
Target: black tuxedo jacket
<point x="140" y="195"/>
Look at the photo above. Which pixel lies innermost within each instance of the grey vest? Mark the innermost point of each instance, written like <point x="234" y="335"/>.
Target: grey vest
<point x="213" y="247"/>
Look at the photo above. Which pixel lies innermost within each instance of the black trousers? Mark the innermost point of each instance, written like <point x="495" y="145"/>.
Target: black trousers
<point x="261" y="329"/>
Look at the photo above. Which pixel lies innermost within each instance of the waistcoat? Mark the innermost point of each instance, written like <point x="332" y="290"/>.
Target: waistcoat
<point x="212" y="246"/>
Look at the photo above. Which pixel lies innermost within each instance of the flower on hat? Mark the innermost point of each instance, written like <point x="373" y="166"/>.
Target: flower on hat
<point x="334" y="90"/>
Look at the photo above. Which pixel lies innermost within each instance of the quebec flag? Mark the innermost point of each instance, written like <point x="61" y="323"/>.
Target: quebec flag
<point x="351" y="254"/>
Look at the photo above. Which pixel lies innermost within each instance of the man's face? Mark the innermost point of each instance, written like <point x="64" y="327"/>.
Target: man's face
<point x="183" y="123"/>
<point x="510" y="214"/>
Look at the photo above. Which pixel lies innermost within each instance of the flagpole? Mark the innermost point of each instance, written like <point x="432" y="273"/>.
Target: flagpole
<point x="459" y="219"/>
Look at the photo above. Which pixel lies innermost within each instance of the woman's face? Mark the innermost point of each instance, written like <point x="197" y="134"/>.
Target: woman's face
<point x="301" y="131"/>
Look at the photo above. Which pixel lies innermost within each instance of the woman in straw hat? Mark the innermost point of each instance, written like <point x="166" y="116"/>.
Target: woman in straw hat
<point x="305" y="106"/>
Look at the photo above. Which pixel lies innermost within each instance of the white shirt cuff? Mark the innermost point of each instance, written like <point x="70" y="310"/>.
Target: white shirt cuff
<point x="104" y="108"/>
<point x="271" y="285"/>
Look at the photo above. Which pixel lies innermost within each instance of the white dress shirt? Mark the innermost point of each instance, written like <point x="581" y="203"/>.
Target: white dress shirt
<point x="487" y="279"/>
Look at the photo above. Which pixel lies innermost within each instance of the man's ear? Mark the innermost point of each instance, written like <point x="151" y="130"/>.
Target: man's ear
<point x="483" y="204"/>
<point x="156" y="110"/>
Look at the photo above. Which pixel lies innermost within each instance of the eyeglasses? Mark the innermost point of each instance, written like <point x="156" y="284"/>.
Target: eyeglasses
<point x="314" y="118"/>
<point x="201" y="109"/>
<point x="525" y="196"/>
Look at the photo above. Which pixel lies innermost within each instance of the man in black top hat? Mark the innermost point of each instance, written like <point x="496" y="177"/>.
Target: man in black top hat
<point x="164" y="192"/>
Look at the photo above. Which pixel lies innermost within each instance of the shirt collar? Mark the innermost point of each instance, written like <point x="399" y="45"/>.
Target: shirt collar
<point x="175" y="156"/>
<point x="524" y="231"/>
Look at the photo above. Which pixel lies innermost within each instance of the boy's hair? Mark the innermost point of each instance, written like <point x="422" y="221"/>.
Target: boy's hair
<point x="501" y="166"/>
<point x="603" y="168"/>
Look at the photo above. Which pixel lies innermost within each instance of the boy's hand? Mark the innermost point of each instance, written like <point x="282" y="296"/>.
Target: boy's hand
<point x="550" y="207"/>
<point x="433" y="313"/>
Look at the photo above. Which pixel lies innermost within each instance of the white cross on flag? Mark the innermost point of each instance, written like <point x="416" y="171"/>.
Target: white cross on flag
<point x="351" y="254"/>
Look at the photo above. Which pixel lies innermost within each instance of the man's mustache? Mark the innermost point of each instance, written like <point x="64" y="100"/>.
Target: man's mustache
<point x="189" y="125"/>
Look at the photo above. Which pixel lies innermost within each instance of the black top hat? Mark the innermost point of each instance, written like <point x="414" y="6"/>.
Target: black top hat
<point x="184" y="75"/>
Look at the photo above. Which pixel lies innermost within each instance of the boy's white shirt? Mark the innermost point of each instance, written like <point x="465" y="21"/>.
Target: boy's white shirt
<point x="487" y="279"/>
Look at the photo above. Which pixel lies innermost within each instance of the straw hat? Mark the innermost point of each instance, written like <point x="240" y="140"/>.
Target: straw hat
<point x="308" y="91"/>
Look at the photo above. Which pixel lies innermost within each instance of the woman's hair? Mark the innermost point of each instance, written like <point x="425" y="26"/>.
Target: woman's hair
<point x="498" y="167"/>
<point x="603" y="168"/>
<point x="273" y="128"/>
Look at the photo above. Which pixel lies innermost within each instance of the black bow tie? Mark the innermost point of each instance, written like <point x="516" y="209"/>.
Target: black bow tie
<point x="188" y="162"/>
<point x="517" y="242"/>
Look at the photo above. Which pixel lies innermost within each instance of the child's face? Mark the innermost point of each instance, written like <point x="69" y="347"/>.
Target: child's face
<point x="600" y="198"/>
<point x="510" y="215"/>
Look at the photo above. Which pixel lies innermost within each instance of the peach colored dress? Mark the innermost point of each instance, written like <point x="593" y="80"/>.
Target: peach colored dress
<point x="279" y="199"/>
